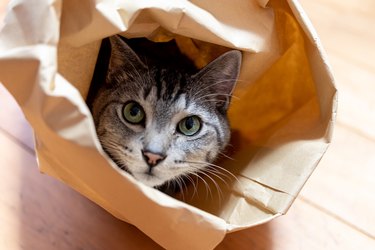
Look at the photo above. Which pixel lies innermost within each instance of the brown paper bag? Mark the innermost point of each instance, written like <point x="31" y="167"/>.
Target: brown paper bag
<point x="282" y="117"/>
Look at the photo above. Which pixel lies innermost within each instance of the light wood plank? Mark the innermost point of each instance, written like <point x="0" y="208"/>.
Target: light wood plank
<point x="344" y="181"/>
<point x="356" y="96"/>
<point x="304" y="227"/>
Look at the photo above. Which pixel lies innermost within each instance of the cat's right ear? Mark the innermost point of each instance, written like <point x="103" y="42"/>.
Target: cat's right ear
<point x="123" y="59"/>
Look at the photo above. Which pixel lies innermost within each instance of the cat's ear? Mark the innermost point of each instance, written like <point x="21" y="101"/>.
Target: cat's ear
<point x="220" y="76"/>
<point x="123" y="59"/>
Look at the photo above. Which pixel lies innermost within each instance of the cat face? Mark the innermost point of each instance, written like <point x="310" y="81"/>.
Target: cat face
<point x="160" y="123"/>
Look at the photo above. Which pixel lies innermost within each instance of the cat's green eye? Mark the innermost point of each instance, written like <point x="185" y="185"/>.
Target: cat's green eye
<point x="189" y="126"/>
<point x="133" y="113"/>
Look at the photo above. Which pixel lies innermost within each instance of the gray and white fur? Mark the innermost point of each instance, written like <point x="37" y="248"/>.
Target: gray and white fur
<point x="155" y="151"/>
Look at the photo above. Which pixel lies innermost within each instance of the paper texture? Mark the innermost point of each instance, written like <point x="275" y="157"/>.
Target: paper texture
<point x="282" y="115"/>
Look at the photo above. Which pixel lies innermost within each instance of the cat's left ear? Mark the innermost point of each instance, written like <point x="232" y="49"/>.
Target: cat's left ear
<point x="123" y="59"/>
<point x="220" y="77"/>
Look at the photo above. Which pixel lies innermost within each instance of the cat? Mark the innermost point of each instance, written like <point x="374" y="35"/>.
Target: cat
<point x="162" y="119"/>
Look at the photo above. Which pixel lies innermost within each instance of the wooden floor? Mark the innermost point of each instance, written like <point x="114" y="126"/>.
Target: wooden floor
<point x="336" y="209"/>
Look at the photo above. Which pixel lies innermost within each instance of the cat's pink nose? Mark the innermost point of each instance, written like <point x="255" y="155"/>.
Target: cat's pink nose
<point x="152" y="159"/>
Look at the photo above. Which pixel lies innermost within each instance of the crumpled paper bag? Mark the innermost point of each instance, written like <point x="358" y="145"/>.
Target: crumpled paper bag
<point x="282" y="114"/>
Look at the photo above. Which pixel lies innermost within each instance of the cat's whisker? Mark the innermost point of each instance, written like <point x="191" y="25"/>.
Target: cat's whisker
<point x="168" y="184"/>
<point x="216" y="166"/>
<point x="178" y="181"/>
<point x="196" y="184"/>
<point x="219" y="191"/>
<point x="187" y="176"/>
<point x="213" y="171"/>
<point x="217" y="94"/>
<point x="205" y="73"/>
<point x="217" y="175"/>
<point x="214" y="101"/>
<point x="183" y="180"/>
<point x="207" y="186"/>
<point x="217" y="171"/>
<point x="214" y="94"/>
<point x="118" y="161"/>
<point x="226" y="156"/>
<point x="211" y="85"/>
<point x="184" y="183"/>
<point x="216" y="83"/>
<point x="198" y="170"/>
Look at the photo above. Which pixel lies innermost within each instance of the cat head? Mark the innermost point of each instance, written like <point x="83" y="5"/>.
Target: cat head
<point x="160" y="123"/>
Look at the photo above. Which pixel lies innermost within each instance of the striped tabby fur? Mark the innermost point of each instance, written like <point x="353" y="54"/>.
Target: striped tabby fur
<point x="167" y="94"/>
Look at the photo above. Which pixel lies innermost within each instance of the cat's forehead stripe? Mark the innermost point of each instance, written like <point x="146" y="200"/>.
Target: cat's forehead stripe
<point x="181" y="102"/>
<point x="146" y="91"/>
